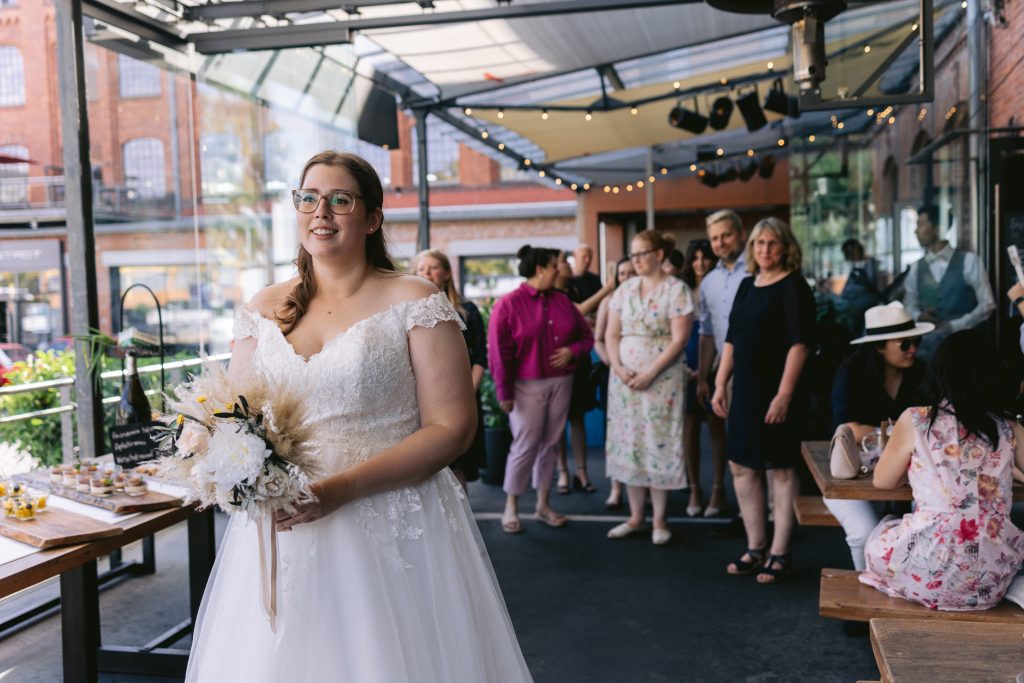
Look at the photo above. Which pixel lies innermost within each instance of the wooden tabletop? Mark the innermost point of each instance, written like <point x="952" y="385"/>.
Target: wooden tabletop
<point x="912" y="650"/>
<point x="31" y="569"/>
<point x="816" y="456"/>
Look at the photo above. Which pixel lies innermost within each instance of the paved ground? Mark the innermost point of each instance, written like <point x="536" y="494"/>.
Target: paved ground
<point x="585" y="608"/>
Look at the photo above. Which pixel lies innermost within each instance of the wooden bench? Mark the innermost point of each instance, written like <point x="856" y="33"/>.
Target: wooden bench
<point x="842" y="596"/>
<point x="946" y="651"/>
<point x="811" y="511"/>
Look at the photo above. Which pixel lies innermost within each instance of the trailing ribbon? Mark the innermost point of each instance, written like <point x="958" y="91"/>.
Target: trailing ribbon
<point x="268" y="570"/>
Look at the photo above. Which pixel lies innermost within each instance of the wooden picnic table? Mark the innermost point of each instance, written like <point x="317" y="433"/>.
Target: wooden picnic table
<point x="816" y="456"/>
<point x="911" y="650"/>
<point x="83" y="654"/>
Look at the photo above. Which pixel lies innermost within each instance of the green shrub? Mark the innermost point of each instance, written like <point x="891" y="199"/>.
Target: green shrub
<point x="39" y="436"/>
<point x="494" y="416"/>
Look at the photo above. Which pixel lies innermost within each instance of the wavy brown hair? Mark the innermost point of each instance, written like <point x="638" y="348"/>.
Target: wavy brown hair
<point x="297" y="301"/>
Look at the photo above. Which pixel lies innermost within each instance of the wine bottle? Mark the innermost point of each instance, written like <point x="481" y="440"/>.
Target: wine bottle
<point x="133" y="408"/>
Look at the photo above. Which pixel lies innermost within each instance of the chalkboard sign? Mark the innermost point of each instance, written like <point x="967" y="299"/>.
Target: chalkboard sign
<point x="133" y="444"/>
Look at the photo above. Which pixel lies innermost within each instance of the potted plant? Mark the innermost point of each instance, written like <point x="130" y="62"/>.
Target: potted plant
<point x="497" y="435"/>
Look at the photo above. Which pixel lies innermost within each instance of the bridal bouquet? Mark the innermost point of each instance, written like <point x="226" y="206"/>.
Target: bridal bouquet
<point x="239" y="445"/>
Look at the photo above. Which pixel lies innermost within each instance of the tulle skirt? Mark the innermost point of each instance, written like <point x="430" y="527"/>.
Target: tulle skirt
<point x="394" y="588"/>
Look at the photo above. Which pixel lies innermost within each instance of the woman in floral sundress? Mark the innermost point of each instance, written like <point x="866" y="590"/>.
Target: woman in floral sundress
<point x="649" y="321"/>
<point x="958" y="550"/>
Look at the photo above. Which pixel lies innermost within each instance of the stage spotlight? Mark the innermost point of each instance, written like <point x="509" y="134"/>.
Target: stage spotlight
<point x="747" y="170"/>
<point x="750" y="108"/>
<point x="767" y="167"/>
<point x="728" y="175"/>
<point x="705" y="153"/>
<point x="721" y="111"/>
<point x="779" y="102"/>
<point x="710" y="179"/>
<point x="687" y="119"/>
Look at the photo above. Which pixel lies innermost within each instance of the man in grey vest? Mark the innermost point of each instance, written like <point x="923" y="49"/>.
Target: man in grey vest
<point x="947" y="287"/>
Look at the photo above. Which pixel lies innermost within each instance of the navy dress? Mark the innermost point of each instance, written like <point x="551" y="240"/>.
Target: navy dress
<point x="475" y="335"/>
<point x="764" y="323"/>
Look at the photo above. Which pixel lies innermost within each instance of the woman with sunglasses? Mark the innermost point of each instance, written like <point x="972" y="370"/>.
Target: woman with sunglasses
<point x="649" y="320"/>
<point x="873" y="387"/>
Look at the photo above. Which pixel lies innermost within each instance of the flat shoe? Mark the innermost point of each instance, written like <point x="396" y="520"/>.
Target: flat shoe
<point x="623" y="530"/>
<point x="613" y="504"/>
<point x="693" y="510"/>
<point x="553" y="519"/>
<point x="712" y="512"/>
<point x="512" y="527"/>
<point x="661" y="536"/>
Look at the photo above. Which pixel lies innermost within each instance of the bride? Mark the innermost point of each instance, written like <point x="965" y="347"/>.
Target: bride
<point x="385" y="577"/>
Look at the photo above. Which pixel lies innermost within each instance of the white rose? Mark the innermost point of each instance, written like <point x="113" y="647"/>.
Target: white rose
<point x="194" y="439"/>
<point x="274" y="485"/>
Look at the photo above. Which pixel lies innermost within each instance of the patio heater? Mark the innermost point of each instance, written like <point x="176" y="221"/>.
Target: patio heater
<point x="806" y="19"/>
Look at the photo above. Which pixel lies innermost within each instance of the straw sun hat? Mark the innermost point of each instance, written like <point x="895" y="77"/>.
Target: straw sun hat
<point x="890" y="321"/>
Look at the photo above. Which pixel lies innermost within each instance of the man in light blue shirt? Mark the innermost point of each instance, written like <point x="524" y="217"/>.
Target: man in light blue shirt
<point x="717" y="291"/>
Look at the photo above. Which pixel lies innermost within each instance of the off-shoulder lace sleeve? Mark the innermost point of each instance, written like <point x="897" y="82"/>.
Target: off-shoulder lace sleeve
<point x="430" y="311"/>
<point x="246" y="324"/>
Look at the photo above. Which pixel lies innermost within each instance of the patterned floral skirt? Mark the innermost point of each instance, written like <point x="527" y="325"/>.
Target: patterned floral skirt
<point x="645" y="428"/>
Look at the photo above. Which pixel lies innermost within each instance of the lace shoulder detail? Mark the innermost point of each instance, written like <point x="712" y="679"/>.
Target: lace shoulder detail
<point x="430" y="311"/>
<point x="246" y="324"/>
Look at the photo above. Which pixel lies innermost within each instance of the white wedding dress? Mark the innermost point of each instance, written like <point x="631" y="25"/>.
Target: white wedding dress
<point x="392" y="588"/>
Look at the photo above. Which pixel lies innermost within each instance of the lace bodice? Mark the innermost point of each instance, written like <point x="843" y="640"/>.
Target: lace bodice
<point x="360" y="388"/>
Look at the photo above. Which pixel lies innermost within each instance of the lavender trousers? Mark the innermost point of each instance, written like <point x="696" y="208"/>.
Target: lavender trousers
<point x="537" y="421"/>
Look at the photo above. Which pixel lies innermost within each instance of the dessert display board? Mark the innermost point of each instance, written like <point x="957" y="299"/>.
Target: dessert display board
<point x="116" y="502"/>
<point x="55" y="527"/>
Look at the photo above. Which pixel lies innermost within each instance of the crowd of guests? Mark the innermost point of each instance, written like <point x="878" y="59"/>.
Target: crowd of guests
<point x="721" y="334"/>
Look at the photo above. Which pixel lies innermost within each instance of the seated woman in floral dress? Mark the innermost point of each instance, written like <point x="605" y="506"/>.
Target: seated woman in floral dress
<point x="958" y="550"/>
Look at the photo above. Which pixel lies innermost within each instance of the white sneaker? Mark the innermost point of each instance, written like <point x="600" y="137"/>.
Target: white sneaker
<point x="661" y="536"/>
<point x="623" y="530"/>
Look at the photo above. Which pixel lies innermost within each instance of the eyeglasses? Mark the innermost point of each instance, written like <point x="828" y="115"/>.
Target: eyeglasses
<point x="338" y="201"/>
<point x="641" y="254"/>
<point x="905" y="344"/>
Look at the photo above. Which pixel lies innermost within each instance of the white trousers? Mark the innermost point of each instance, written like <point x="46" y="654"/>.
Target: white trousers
<point x="858" y="519"/>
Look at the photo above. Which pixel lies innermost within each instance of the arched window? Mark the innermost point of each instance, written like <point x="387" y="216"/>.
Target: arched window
<point x="221" y="164"/>
<point x="13" y="177"/>
<point x="12" y="77"/>
<point x="137" y="79"/>
<point x="144" y="169"/>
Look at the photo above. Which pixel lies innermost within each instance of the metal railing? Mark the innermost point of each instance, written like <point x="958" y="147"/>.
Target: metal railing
<point x="65" y="388"/>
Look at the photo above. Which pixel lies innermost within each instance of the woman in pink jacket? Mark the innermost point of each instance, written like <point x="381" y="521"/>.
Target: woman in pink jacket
<point x="534" y="339"/>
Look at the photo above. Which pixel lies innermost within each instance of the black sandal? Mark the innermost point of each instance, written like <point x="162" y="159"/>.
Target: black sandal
<point x="785" y="562"/>
<point x="577" y="482"/>
<point x="743" y="567"/>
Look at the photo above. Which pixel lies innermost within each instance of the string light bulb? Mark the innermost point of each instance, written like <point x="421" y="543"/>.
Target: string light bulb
<point x="651" y="179"/>
<point x="589" y="115"/>
<point x="558" y="181"/>
<point x="634" y="111"/>
<point x="544" y="114"/>
<point x="501" y="146"/>
<point x="811" y="138"/>
<point x="782" y="142"/>
<point x="607" y="188"/>
<point x="586" y="186"/>
<point x="501" y="113"/>
<point x="615" y="190"/>
<point x="541" y="173"/>
<point x="639" y="183"/>
<point x="629" y="188"/>
<point x="484" y="134"/>
<point x="664" y="171"/>
<point x="526" y="162"/>
<point x="574" y="187"/>
<point x="750" y="152"/>
<point x="693" y="168"/>
<point x="467" y="111"/>
<point x="720" y="151"/>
